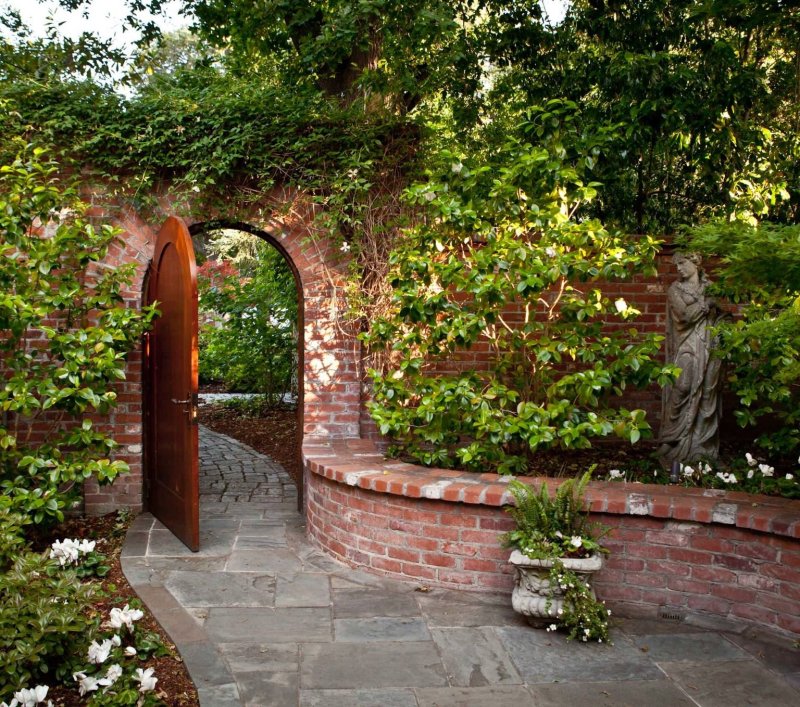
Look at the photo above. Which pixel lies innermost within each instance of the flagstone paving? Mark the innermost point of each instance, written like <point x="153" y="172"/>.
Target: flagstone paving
<point x="263" y="618"/>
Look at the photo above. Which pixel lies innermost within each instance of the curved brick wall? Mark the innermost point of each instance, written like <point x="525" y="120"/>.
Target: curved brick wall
<point x="689" y="551"/>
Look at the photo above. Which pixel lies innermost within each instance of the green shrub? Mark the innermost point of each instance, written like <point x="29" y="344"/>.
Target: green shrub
<point x="65" y="332"/>
<point x="43" y="616"/>
<point x="499" y="236"/>
<point x="12" y="536"/>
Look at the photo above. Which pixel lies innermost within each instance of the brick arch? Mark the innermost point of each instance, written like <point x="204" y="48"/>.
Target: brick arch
<point x="330" y="354"/>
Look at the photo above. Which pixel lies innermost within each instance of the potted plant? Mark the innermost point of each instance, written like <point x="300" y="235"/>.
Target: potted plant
<point x="555" y="550"/>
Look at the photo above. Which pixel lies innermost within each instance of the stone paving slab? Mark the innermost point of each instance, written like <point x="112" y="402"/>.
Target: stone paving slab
<point x="275" y="560"/>
<point x="226" y="625"/>
<point x="548" y="657"/>
<point x="357" y="602"/>
<point x="692" y="648"/>
<point x="380" y="629"/>
<point x="475" y="697"/>
<point x="358" y="698"/>
<point x="305" y="589"/>
<point x="371" y="665"/>
<point x="631" y="693"/>
<point x="263" y="618"/>
<point x="270" y="657"/>
<point x="475" y="657"/>
<point x="735" y="683"/>
<point x="447" y="612"/>
<point x="259" y="688"/>
<point x="240" y="589"/>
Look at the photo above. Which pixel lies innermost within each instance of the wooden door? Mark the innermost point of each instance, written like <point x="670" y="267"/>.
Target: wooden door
<point x="172" y="483"/>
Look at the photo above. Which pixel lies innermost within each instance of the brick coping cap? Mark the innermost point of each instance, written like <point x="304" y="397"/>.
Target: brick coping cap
<point x="358" y="463"/>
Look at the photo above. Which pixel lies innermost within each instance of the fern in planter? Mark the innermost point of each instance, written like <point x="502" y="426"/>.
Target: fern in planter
<point x="557" y="547"/>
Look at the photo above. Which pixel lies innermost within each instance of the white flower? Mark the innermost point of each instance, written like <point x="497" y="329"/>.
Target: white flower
<point x="766" y="469"/>
<point x="113" y="674"/>
<point x="552" y="627"/>
<point x="86" y="683"/>
<point x="727" y="478"/>
<point x="615" y="473"/>
<point x="750" y="460"/>
<point x="195" y="188"/>
<point x="688" y="471"/>
<point x="559" y="534"/>
<point x="550" y="251"/>
<point x="430" y="195"/>
<point x="576" y="541"/>
<point x="345" y="247"/>
<point x="65" y="551"/>
<point x="87" y="546"/>
<point x="130" y="651"/>
<point x="124" y="617"/>
<point x="68" y="552"/>
<point x="456" y="167"/>
<point x="750" y="473"/>
<point x="621" y="305"/>
<point x="705" y="468"/>
<point x="116" y="640"/>
<point x="146" y="680"/>
<point x="99" y="652"/>
<point x="789" y="477"/>
<point x="30" y="697"/>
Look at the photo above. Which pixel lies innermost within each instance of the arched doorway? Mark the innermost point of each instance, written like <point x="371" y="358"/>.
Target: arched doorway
<point x="171" y="376"/>
<point x="251" y="337"/>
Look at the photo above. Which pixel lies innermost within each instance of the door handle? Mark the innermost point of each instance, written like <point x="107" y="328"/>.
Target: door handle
<point x="191" y="401"/>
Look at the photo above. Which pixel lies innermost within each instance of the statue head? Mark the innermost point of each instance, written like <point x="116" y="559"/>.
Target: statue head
<point x="687" y="264"/>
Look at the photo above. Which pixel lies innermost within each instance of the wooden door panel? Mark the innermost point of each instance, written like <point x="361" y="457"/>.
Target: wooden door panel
<point x="171" y="360"/>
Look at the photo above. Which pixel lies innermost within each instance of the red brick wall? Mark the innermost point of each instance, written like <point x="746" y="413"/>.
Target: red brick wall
<point x="723" y="554"/>
<point x="331" y="379"/>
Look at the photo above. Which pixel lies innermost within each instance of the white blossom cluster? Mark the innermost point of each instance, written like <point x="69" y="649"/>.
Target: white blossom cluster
<point x="100" y="652"/>
<point x="69" y="552"/>
<point x="30" y="697"/>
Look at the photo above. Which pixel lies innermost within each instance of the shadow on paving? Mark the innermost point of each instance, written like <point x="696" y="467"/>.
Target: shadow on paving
<point x="263" y="618"/>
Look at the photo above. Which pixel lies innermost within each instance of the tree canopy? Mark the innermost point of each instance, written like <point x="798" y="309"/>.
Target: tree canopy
<point x="659" y="116"/>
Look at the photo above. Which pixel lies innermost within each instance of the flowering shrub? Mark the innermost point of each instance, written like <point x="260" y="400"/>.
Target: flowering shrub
<point x="53" y="293"/>
<point x="504" y="262"/>
<point x="583" y="616"/>
<point x="112" y="674"/>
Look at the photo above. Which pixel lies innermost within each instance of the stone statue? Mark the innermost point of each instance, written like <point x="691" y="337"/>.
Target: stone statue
<point x="691" y="407"/>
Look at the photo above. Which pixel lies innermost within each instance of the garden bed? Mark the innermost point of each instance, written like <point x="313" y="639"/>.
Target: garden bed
<point x="174" y="686"/>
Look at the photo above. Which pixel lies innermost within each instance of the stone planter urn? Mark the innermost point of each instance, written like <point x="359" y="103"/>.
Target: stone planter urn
<point x="532" y="588"/>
